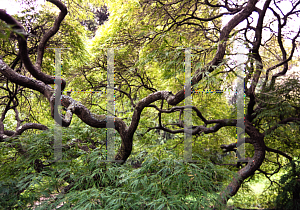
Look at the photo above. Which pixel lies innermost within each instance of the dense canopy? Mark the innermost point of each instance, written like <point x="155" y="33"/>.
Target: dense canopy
<point x="150" y="46"/>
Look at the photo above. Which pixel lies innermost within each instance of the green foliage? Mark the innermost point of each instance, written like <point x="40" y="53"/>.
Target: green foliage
<point x="155" y="53"/>
<point x="5" y="31"/>
<point x="255" y="192"/>
<point x="289" y="193"/>
<point x="22" y="181"/>
<point x="279" y="102"/>
<point x="158" y="184"/>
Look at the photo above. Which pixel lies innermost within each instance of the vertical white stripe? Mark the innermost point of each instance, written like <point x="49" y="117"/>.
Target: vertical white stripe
<point x="188" y="111"/>
<point x="57" y="118"/>
<point x="240" y="88"/>
<point x="110" y="124"/>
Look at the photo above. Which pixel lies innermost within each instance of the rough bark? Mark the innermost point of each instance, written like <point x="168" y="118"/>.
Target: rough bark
<point x="257" y="140"/>
<point x="42" y="81"/>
